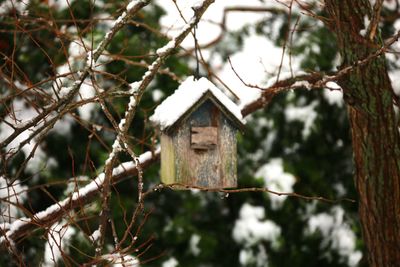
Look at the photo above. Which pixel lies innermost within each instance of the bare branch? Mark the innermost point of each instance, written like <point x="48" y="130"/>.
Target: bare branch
<point x="92" y="58"/>
<point x="243" y="190"/>
<point x="315" y="80"/>
<point x="85" y="194"/>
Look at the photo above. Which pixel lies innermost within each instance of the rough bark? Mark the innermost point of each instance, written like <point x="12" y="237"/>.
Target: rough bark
<point x="376" y="144"/>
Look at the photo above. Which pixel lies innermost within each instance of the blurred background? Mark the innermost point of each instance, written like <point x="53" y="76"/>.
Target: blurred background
<point x="300" y="142"/>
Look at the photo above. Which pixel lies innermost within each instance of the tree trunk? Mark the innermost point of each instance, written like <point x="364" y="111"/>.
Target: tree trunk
<point x="376" y="144"/>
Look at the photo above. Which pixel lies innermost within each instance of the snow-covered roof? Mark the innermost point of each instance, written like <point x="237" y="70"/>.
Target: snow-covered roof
<point x="187" y="95"/>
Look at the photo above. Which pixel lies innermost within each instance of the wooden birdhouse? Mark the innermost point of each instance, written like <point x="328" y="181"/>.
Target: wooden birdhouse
<point x="198" y="124"/>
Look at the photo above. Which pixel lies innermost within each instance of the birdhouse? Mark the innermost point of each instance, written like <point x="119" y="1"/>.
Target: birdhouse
<point x="198" y="124"/>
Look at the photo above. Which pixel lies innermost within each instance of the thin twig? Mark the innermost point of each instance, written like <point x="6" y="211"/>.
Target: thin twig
<point x="181" y="186"/>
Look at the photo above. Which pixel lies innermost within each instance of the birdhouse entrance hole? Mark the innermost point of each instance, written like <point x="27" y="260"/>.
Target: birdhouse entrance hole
<point x="203" y="138"/>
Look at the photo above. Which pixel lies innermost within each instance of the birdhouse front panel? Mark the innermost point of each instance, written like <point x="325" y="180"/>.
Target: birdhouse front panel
<point x="201" y="149"/>
<point x="198" y="124"/>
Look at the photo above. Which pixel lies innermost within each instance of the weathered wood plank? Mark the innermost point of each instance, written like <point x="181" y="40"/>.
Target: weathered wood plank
<point x="167" y="159"/>
<point x="204" y="137"/>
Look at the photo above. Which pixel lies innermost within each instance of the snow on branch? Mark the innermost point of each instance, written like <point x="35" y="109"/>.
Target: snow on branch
<point x="162" y="53"/>
<point x="86" y="194"/>
<point x="83" y="196"/>
<point x="314" y="80"/>
<point x="139" y="87"/>
<point x="137" y="90"/>
<point x="133" y="7"/>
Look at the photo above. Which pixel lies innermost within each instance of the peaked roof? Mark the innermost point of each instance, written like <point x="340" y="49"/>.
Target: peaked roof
<point x="188" y="94"/>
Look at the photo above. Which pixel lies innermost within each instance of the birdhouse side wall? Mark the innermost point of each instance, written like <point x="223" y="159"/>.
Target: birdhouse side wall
<point x="214" y="167"/>
<point x="167" y="159"/>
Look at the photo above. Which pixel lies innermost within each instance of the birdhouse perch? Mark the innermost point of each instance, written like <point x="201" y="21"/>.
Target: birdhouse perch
<point x="198" y="124"/>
